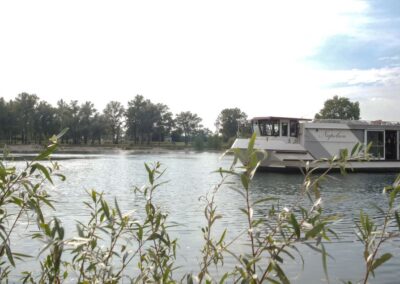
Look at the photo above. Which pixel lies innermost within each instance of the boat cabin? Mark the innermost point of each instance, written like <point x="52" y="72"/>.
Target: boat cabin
<point x="328" y="137"/>
<point x="331" y="136"/>
<point x="280" y="128"/>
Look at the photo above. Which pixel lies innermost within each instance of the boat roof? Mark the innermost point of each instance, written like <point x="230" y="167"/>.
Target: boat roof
<point x="336" y="123"/>
<point x="358" y="122"/>
<point x="279" y="118"/>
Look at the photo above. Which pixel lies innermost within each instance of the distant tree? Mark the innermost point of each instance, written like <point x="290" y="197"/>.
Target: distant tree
<point x="164" y="123"/>
<point x="176" y="135"/>
<point x="25" y="105"/>
<point x="74" y="123"/>
<point x="198" y="143"/>
<point x="64" y="119"/>
<point x="86" y="114"/>
<point x="3" y="119"/>
<point x="146" y="120"/>
<point x="150" y="116"/>
<point x="113" y="117"/>
<point x="339" y="108"/>
<point x="201" y="137"/>
<point x="227" y="122"/>
<point x="46" y="122"/>
<point x="97" y="129"/>
<point x="134" y="117"/>
<point x="188" y="123"/>
<point x="203" y="132"/>
<point x="9" y="122"/>
<point x="214" y="142"/>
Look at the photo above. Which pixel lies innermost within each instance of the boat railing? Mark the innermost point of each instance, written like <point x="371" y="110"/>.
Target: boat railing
<point x="357" y="122"/>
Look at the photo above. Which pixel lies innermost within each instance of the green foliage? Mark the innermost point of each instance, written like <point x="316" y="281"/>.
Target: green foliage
<point x="188" y="123"/>
<point x="227" y="122"/>
<point x="374" y="235"/>
<point x="199" y="143"/>
<point x="286" y="228"/>
<point x="30" y="120"/>
<point x="23" y="190"/>
<point x="145" y="119"/>
<point x="113" y="115"/>
<point x="156" y="262"/>
<point x="214" y="142"/>
<point x="339" y="108"/>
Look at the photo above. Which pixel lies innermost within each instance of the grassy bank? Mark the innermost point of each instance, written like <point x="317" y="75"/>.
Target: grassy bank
<point x="109" y="148"/>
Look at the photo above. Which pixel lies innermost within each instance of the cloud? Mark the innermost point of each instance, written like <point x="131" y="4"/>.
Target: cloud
<point x="377" y="90"/>
<point x="373" y="34"/>
<point x="363" y="62"/>
<point x="386" y="76"/>
<point x="390" y="58"/>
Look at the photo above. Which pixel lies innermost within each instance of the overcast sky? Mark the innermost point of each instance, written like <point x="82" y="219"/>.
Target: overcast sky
<point x="281" y="58"/>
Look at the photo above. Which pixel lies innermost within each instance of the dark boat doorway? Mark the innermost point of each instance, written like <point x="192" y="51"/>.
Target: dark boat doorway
<point x="390" y="145"/>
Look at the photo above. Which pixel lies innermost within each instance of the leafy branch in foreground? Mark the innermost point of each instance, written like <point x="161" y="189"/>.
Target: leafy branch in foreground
<point x="22" y="194"/>
<point x="273" y="239"/>
<point x="100" y="252"/>
<point x="373" y="236"/>
<point x="157" y="249"/>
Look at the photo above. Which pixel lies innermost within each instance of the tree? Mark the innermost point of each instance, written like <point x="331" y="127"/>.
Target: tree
<point x="86" y="114"/>
<point x="46" y="122"/>
<point x="134" y="117"/>
<point x="339" y="108"/>
<point x="227" y="122"/>
<point x="164" y="123"/>
<point x="64" y="117"/>
<point x="189" y="123"/>
<point x="3" y="119"/>
<point x="74" y="122"/>
<point x="150" y="115"/>
<point x="201" y="137"/>
<point x="145" y="120"/>
<point x="97" y="129"/>
<point x="9" y="122"/>
<point x="25" y="105"/>
<point x="113" y="115"/>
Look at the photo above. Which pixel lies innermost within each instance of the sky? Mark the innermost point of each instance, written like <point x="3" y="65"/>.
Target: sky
<point x="279" y="58"/>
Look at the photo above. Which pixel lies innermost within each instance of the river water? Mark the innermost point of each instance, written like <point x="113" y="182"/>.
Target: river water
<point x="190" y="175"/>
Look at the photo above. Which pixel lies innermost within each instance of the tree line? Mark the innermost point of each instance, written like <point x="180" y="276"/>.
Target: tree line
<point x="28" y="119"/>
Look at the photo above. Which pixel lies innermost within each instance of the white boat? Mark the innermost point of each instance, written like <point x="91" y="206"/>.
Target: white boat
<point x="291" y="142"/>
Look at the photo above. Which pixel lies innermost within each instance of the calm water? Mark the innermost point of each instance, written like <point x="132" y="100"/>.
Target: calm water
<point x="190" y="176"/>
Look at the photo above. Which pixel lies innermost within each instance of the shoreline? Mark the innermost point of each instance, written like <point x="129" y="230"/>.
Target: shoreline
<point x="101" y="149"/>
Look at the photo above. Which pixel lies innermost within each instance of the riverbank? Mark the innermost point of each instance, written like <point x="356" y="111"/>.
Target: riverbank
<point x="104" y="149"/>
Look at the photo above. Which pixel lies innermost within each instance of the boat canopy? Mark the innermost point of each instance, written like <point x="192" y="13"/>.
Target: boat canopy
<point x="279" y="118"/>
<point x="277" y="126"/>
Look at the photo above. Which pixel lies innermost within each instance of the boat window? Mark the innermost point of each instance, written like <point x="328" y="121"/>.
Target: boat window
<point x="377" y="148"/>
<point x="275" y="127"/>
<point x="294" y="125"/>
<point x="269" y="127"/>
<point x="262" y="126"/>
<point x="284" y="129"/>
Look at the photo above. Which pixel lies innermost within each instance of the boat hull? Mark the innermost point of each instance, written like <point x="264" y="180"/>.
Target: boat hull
<point x="352" y="166"/>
